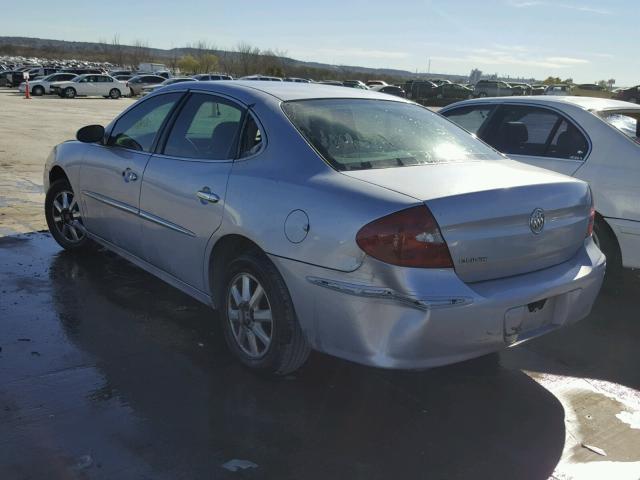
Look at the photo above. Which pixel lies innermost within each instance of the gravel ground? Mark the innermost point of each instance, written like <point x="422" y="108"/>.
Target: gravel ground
<point x="28" y="131"/>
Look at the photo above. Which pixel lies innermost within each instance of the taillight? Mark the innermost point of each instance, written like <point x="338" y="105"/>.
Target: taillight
<point x="592" y="218"/>
<point x="408" y="238"/>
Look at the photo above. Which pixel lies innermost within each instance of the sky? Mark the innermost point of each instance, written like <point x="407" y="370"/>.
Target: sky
<point x="585" y="40"/>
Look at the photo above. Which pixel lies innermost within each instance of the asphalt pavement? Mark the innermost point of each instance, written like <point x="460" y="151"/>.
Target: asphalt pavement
<point x="107" y="372"/>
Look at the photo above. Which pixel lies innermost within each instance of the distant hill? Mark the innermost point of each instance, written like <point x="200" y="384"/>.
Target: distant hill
<point x="95" y="51"/>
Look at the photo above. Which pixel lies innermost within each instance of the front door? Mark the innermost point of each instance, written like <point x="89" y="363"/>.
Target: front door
<point x="184" y="186"/>
<point x="111" y="174"/>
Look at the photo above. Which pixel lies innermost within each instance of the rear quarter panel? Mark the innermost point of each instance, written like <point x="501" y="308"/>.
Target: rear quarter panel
<point x="288" y="175"/>
<point x="612" y="169"/>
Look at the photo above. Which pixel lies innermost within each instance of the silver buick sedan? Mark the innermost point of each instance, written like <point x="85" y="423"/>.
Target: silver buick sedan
<point x="341" y="220"/>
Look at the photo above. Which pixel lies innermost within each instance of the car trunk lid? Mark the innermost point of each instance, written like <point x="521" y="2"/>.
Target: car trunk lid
<point x="490" y="212"/>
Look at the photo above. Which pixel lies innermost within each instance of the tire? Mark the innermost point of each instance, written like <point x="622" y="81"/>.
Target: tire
<point x="287" y="348"/>
<point x="37" y="91"/>
<point x="633" y="100"/>
<point x="114" y="93"/>
<point x="69" y="92"/>
<point x="61" y="216"/>
<point x="606" y="240"/>
<point x="133" y="94"/>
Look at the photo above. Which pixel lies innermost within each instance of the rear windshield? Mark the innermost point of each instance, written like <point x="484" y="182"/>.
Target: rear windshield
<point x="627" y="122"/>
<point x="359" y="134"/>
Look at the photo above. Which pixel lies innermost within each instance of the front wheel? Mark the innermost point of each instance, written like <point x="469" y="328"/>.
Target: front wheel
<point x="37" y="91"/>
<point x="259" y="321"/>
<point x="114" y="93"/>
<point x="70" y="92"/>
<point x="62" y="213"/>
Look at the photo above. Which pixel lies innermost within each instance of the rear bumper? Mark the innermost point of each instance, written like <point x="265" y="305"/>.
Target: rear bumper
<point x="406" y="318"/>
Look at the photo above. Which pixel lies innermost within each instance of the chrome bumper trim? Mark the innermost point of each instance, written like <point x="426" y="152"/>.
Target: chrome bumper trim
<point x="384" y="293"/>
<point x="166" y="223"/>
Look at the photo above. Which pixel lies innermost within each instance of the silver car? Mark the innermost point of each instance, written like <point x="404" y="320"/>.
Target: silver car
<point x="341" y="220"/>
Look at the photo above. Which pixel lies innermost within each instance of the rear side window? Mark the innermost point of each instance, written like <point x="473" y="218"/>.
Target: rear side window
<point x="626" y="122"/>
<point x="359" y="134"/>
<point x="535" y="131"/>
<point x="252" y="139"/>
<point x="138" y="128"/>
<point x="206" y="128"/>
<point x="472" y="118"/>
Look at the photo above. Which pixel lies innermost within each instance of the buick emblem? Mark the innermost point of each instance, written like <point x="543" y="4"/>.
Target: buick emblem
<point x="536" y="221"/>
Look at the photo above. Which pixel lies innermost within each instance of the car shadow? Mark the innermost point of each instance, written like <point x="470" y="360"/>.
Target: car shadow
<point x="139" y="377"/>
<point x="602" y="346"/>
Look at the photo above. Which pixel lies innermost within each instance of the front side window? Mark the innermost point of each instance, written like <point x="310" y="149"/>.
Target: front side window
<point x="472" y="119"/>
<point x="206" y="128"/>
<point x="138" y="128"/>
<point x="359" y="134"/>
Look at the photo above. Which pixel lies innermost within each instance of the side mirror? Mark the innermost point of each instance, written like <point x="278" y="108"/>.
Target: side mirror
<point x="90" y="134"/>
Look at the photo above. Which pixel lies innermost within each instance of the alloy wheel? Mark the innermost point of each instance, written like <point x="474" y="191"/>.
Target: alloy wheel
<point x="250" y="316"/>
<point x="66" y="216"/>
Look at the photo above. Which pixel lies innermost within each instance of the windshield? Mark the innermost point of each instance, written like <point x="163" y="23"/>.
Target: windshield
<point x="626" y="122"/>
<point x="358" y="134"/>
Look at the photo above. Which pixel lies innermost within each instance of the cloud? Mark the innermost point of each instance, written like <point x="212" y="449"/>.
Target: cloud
<point x="566" y="6"/>
<point x="485" y="56"/>
<point x="363" y="53"/>
<point x="567" y="60"/>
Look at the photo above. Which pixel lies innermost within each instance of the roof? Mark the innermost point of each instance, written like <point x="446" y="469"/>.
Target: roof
<point x="586" y="103"/>
<point x="284" y="91"/>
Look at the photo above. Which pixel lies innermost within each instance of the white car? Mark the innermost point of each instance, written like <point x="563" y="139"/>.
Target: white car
<point x="91" y="85"/>
<point x="43" y="86"/>
<point x="593" y="139"/>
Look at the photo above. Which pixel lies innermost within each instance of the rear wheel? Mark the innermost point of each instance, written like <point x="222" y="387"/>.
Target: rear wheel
<point x="606" y="241"/>
<point x="62" y="213"/>
<point x="259" y="321"/>
<point x="70" y="92"/>
<point x="114" y="93"/>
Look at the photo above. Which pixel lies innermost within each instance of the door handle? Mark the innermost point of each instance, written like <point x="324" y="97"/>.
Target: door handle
<point x="129" y="175"/>
<point x="205" y="195"/>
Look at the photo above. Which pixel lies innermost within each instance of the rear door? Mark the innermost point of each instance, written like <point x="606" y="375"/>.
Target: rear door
<point x="85" y="86"/>
<point x="539" y="136"/>
<point x="104" y="85"/>
<point x="111" y="174"/>
<point x="184" y="185"/>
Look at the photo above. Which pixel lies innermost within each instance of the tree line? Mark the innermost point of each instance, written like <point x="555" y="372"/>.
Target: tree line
<point x="200" y="57"/>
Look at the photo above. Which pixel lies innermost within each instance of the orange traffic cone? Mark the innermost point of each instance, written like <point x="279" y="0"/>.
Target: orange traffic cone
<point x="27" y="95"/>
